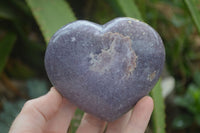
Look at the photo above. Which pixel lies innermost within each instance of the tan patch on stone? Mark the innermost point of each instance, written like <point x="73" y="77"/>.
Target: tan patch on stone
<point x="151" y="76"/>
<point x="119" y="51"/>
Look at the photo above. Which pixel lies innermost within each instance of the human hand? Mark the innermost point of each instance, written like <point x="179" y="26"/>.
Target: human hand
<point x="52" y="113"/>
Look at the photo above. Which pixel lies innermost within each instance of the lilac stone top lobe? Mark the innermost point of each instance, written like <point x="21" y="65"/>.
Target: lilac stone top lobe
<point x="105" y="69"/>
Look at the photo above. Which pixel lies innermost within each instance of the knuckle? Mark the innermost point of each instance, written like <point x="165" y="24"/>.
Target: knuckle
<point x="28" y="104"/>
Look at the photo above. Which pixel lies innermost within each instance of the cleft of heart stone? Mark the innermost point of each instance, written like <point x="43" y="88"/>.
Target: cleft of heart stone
<point x="105" y="69"/>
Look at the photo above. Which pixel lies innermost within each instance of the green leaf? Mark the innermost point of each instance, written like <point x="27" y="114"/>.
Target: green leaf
<point x="192" y="6"/>
<point x="101" y="16"/>
<point x="76" y="121"/>
<point x="17" y="69"/>
<point x="6" y="45"/>
<point x="159" y="109"/>
<point x="6" y="12"/>
<point x="51" y="15"/>
<point x="126" y="7"/>
<point x="21" y="5"/>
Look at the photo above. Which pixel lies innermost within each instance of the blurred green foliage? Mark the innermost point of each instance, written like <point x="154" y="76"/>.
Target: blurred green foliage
<point x="34" y="88"/>
<point x="11" y="110"/>
<point x="191" y="4"/>
<point x="191" y="102"/>
<point x="5" y="48"/>
<point x="27" y="25"/>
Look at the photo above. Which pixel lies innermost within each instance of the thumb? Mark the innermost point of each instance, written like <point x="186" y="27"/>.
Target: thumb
<point x="36" y="112"/>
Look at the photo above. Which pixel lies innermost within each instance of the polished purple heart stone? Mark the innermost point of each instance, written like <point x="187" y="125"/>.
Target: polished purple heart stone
<point x="105" y="69"/>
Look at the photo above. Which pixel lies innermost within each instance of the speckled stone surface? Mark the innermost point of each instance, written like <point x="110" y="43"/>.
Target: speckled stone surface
<point x="105" y="69"/>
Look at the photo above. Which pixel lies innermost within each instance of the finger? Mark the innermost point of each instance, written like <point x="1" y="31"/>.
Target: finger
<point x="140" y="115"/>
<point x="91" y="124"/>
<point x="59" y="123"/>
<point x="46" y="105"/>
<point x="37" y="112"/>
<point x="119" y="125"/>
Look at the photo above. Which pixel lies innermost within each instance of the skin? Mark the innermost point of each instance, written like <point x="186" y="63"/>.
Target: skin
<point x="52" y="113"/>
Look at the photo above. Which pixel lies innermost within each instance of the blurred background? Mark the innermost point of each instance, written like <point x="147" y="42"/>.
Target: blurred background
<point x="27" y="25"/>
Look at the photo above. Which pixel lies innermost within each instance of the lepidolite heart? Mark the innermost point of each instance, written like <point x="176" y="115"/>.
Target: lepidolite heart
<point x="105" y="69"/>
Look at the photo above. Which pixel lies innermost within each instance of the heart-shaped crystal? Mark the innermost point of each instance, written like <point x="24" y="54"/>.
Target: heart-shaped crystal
<point x="105" y="69"/>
